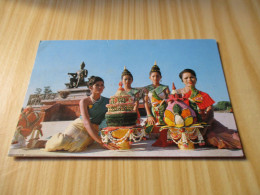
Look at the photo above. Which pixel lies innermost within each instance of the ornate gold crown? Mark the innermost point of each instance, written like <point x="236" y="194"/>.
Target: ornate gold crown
<point x="155" y="68"/>
<point x="126" y="72"/>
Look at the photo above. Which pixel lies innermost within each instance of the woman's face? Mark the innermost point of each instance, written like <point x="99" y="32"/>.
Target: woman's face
<point x="127" y="80"/>
<point x="98" y="87"/>
<point x="155" y="78"/>
<point x="189" y="79"/>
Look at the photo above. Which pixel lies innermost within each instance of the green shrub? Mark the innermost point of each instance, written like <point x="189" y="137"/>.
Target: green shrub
<point x="222" y="105"/>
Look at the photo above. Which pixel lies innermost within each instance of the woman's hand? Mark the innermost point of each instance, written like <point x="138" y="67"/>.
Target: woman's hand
<point x="150" y="120"/>
<point x="110" y="146"/>
<point x="207" y="114"/>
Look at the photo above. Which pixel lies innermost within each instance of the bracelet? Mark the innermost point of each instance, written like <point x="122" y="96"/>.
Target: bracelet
<point x="149" y="115"/>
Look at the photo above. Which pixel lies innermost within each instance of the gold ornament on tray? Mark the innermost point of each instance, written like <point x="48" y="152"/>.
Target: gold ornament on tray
<point x="121" y="119"/>
<point x="182" y="125"/>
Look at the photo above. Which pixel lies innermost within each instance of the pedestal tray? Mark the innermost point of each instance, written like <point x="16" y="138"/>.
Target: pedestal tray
<point x="123" y="136"/>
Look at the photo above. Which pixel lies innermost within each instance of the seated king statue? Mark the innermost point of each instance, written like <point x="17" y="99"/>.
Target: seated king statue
<point x="78" y="78"/>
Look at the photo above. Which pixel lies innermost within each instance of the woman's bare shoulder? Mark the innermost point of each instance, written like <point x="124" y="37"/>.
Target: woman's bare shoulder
<point x="85" y="100"/>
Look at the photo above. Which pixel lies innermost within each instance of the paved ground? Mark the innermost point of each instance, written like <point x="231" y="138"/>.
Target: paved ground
<point x="141" y="149"/>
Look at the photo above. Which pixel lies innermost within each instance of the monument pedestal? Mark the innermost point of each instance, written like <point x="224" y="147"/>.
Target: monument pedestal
<point x="65" y="106"/>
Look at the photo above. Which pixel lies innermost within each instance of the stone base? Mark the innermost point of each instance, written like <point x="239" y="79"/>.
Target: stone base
<point x="74" y="93"/>
<point x="65" y="106"/>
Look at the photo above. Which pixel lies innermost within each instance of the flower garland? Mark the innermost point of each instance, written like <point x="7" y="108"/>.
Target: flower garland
<point x="108" y="137"/>
<point x="184" y="136"/>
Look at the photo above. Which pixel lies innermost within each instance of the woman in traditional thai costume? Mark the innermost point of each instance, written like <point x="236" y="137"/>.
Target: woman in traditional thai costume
<point x="127" y="80"/>
<point x="154" y="100"/>
<point x="84" y="130"/>
<point x="216" y="134"/>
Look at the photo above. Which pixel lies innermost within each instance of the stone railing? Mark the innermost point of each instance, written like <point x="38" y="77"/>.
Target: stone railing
<point x="35" y="99"/>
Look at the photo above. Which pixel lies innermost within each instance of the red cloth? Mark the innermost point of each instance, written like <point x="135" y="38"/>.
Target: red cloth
<point x="220" y="136"/>
<point x="162" y="140"/>
<point x="206" y="100"/>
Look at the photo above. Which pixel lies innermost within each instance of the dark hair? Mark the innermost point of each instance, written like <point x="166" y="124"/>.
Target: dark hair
<point x="155" y="68"/>
<point x="189" y="71"/>
<point x="93" y="79"/>
<point x="128" y="75"/>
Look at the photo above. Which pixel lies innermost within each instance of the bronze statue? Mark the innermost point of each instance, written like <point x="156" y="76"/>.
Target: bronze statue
<point x="78" y="78"/>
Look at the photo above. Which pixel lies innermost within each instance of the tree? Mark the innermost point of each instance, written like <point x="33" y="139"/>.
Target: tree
<point x="222" y="105"/>
<point x="47" y="90"/>
<point x="38" y="91"/>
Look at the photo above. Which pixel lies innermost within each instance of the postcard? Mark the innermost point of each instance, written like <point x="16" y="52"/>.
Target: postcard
<point x="127" y="98"/>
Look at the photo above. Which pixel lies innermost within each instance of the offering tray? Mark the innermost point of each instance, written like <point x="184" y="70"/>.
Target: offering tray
<point x="185" y="137"/>
<point x="123" y="136"/>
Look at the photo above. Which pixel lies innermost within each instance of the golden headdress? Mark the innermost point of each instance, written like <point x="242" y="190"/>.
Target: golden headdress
<point x="155" y="68"/>
<point x="126" y="72"/>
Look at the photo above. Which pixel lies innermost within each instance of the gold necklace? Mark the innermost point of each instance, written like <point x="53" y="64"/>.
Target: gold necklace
<point x="93" y="100"/>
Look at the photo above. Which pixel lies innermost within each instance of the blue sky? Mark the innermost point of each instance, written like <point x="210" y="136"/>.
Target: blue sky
<point x="107" y="59"/>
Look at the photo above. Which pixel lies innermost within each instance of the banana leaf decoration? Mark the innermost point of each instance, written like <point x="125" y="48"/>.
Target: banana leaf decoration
<point x="177" y="109"/>
<point x="196" y="109"/>
<point x="194" y="92"/>
<point x="195" y="95"/>
<point x="162" y="109"/>
<point x="148" y="129"/>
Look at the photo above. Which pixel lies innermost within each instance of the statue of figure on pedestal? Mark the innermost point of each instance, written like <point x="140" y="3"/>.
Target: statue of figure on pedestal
<point x="78" y="78"/>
